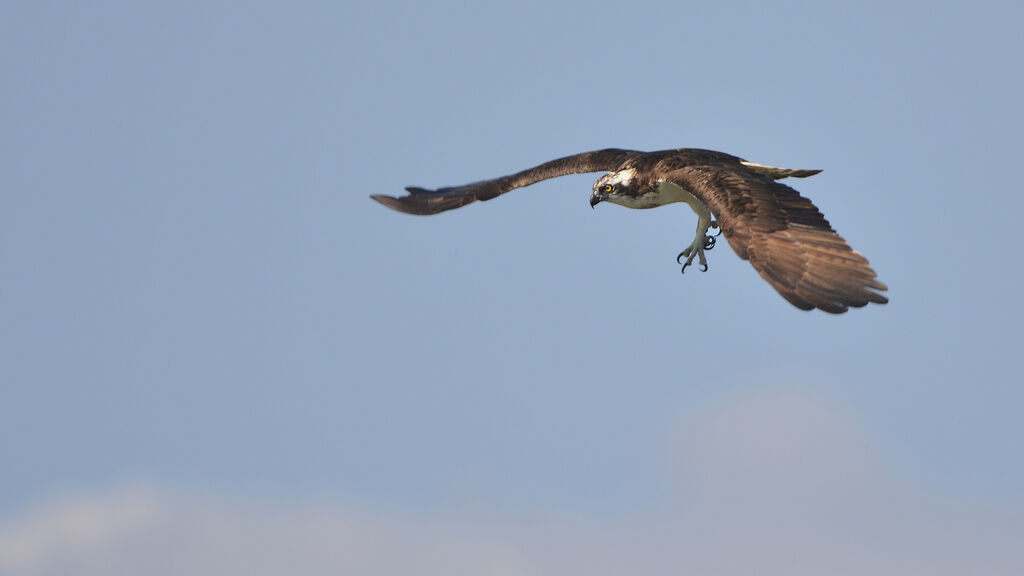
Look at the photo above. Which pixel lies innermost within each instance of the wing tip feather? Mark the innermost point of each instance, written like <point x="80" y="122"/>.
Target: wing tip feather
<point x="423" y="202"/>
<point x="406" y="204"/>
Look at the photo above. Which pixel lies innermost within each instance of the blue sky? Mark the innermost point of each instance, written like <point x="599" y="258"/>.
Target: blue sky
<point x="201" y="309"/>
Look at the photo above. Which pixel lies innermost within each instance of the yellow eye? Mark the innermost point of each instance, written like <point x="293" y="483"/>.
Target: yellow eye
<point x="606" y="188"/>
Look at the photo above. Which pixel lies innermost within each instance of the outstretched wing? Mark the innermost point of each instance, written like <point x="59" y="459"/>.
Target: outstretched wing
<point x="421" y="201"/>
<point x="784" y="237"/>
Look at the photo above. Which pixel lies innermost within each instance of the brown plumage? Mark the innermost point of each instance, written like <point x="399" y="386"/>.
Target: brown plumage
<point x="783" y="235"/>
<point x="422" y="202"/>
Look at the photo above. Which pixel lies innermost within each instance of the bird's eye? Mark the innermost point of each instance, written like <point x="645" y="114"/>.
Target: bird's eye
<point x="606" y="188"/>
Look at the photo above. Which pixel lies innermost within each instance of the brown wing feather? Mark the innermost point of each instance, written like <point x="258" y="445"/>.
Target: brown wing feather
<point x="423" y="201"/>
<point x="785" y="237"/>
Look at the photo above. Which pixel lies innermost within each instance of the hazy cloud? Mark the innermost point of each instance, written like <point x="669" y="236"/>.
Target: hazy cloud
<point x="782" y="482"/>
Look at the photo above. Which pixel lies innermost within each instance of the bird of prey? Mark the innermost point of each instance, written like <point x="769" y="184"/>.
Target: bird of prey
<point x="783" y="235"/>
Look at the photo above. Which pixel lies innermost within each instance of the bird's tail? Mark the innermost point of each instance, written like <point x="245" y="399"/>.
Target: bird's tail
<point x="779" y="173"/>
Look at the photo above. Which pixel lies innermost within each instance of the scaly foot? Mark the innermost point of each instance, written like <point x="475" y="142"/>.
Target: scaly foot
<point x="696" y="249"/>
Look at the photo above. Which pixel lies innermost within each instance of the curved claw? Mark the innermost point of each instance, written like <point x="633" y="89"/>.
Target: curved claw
<point x="716" y="227"/>
<point x="696" y="250"/>
<point x="704" y="269"/>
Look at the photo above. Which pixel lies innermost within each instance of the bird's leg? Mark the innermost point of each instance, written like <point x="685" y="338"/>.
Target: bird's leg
<point x="701" y="242"/>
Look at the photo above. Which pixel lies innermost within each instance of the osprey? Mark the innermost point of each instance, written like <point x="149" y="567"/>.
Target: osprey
<point x="783" y="235"/>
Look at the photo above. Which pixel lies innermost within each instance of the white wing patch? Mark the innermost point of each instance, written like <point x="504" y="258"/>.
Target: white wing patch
<point x="778" y="173"/>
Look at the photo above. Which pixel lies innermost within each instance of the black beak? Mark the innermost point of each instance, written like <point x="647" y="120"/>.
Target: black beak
<point x="595" y="199"/>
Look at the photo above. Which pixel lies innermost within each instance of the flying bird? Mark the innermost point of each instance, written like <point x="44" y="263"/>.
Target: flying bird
<point x="783" y="235"/>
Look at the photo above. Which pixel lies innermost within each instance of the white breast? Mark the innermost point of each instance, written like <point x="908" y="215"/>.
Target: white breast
<point x="664" y="193"/>
<point x="669" y="192"/>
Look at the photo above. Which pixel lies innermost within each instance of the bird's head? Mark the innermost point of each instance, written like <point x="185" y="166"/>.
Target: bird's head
<point x="618" y="187"/>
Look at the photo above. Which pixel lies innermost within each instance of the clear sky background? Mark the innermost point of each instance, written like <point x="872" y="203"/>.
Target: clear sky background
<point x="217" y="355"/>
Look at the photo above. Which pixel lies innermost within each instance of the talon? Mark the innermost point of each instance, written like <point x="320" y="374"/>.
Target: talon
<point x="716" y="227"/>
<point x="696" y="250"/>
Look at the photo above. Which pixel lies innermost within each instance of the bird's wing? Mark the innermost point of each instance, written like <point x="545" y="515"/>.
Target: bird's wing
<point x="784" y="237"/>
<point x="421" y="201"/>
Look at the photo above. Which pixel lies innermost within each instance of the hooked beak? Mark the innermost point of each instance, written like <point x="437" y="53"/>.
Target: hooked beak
<point x="596" y="198"/>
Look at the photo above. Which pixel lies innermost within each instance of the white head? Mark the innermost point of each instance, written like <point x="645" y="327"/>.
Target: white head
<point x="618" y="187"/>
